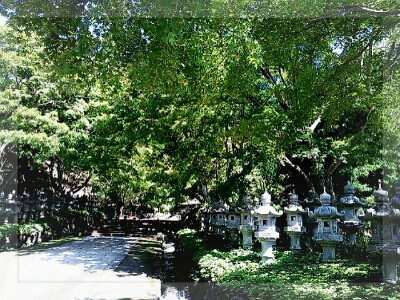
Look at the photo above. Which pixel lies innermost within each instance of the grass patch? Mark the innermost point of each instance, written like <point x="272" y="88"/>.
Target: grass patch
<point x="241" y="272"/>
<point x="46" y="245"/>
<point x="144" y="258"/>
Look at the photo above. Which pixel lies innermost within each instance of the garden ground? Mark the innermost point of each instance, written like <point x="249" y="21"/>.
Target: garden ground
<point x="85" y="268"/>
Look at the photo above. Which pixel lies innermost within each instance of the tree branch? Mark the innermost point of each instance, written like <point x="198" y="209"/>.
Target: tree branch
<point x="315" y="124"/>
<point x="283" y="80"/>
<point x="333" y="167"/>
<point x="299" y="170"/>
<point x="267" y="74"/>
<point x="253" y="101"/>
<point x="78" y="188"/>
<point x="369" y="11"/>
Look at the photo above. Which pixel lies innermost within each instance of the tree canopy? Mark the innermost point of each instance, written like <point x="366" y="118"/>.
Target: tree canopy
<point x="212" y="103"/>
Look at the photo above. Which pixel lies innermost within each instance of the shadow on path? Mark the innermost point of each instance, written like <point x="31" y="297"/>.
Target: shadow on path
<point x="143" y="259"/>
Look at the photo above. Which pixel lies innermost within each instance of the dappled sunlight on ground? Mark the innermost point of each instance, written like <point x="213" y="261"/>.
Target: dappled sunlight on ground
<point x="71" y="261"/>
<point x="82" y="269"/>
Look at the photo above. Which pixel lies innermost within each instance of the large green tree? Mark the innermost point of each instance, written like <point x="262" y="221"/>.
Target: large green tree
<point x="174" y="107"/>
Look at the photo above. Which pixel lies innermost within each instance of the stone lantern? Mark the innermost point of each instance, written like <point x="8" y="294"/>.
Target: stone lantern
<point x="246" y="226"/>
<point x="28" y="205"/>
<point x="20" y="209"/>
<point x="310" y="203"/>
<point x="10" y="208"/>
<point x="41" y="204"/>
<point x="205" y="219"/>
<point x="218" y="218"/>
<point x="233" y="222"/>
<point x="294" y="227"/>
<point x="327" y="232"/>
<point x="2" y="207"/>
<point x="384" y="219"/>
<point x="395" y="202"/>
<point x="14" y="206"/>
<point x="351" y="206"/>
<point x="267" y="233"/>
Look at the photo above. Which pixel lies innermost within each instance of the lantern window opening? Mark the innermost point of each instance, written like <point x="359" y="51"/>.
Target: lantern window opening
<point x="293" y="218"/>
<point x="265" y="222"/>
<point x="245" y="217"/>
<point x="232" y="218"/>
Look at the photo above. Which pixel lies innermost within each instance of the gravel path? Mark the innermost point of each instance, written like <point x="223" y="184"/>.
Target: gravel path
<point x="89" y="268"/>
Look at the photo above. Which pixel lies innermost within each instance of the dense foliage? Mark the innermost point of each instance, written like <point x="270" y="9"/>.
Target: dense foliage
<point x="155" y="111"/>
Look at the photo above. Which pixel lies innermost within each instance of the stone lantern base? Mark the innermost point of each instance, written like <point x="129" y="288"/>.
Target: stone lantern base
<point x="390" y="258"/>
<point x="389" y="271"/>
<point x="295" y="241"/>
<point x="351" y="238"/>
<point x="267" y="253"/>
<point x="329" y="251"/>
<point x="221" y="229"/>
<point x="247" y="232"/>
<point x="351" y="233"/>
<point x="328" y="243"/>
<point x="247" y="241"/>
<point x="233" y="234"/>
<point x="214" y="229"/>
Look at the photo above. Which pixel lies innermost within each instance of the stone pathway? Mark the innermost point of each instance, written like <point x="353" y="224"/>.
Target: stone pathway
<point x="82" y="269"/>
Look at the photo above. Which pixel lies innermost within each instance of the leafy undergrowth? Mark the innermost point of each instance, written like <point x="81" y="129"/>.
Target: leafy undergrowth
<point x="241" y="272"/>
<point x="339" y="289"/>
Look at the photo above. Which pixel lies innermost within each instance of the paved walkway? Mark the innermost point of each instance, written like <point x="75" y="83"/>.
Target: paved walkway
<point x="82" y="269"/>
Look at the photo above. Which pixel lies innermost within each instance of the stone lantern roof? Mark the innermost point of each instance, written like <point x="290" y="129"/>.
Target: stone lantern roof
<point x="382" y="207"/>
<point x="349" y="199"/>
<point x="233" y="208"/>
<point x="325" y="198"/>
<point x="205" y="210"/>
<point x="348" y="188"/>
<point x="218" y="207"/>
<point x="294" y="206"/>
<point x="380" y="195"/>
<point x="266" y="209"/>
<point x="326" y="211"/>
<point x="312" y="199"/>
<point x="293" y="198"/>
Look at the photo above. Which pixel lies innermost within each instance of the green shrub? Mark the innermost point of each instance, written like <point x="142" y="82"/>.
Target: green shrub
<point x="290" y="276"/>
<point x="8" y="230"/>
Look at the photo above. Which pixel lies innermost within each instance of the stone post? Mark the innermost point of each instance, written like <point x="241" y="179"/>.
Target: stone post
<point x="384" y="220"/>
<point x="246" y="226"/>
<point x="327" y="232"/>
<point x="233" y="222"/>
<point x="351" y="207"/>
<point x="311" y="203"/>
<point x="267" y="233"/>
<point x="294" y="227"/>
